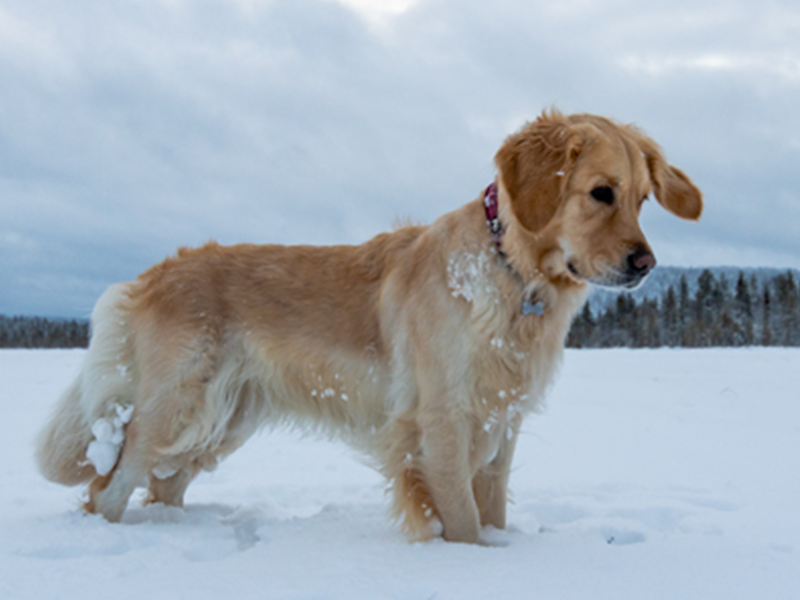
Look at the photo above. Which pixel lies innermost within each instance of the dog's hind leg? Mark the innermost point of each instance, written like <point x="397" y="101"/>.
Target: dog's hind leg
<point x="109" y="494"/>
<point x="170" y="490"/>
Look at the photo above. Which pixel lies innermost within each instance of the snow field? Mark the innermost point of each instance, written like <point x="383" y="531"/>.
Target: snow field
<point x="652" y="474"/>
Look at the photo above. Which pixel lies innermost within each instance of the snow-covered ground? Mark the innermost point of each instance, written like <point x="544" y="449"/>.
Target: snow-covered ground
<point x="652" y="474"/>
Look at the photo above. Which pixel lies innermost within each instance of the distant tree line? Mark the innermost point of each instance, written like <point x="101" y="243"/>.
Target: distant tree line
<point x="36" y="332"/>
<point x="714" y="312"/>
<point x="718" y="313"/>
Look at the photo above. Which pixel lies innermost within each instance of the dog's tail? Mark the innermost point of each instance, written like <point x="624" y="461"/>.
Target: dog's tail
<point x="105" y="386"/>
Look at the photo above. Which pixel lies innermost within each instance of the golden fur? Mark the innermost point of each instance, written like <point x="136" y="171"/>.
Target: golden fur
<point x="413" y="346"/>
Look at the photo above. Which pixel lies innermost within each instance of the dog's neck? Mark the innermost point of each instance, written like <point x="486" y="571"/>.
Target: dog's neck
<point x="532" y="304"/>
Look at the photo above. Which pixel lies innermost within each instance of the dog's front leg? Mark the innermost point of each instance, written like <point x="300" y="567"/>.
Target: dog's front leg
<point x="490" y="483"/>
<point x="445" y="466"/>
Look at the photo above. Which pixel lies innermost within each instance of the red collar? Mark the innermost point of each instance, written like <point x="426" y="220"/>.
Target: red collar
<point x="493" y="215"/>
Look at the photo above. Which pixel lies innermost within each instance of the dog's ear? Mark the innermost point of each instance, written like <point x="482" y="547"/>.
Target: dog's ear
<point x="535" y="163"/>
<point x="671" y="187"/>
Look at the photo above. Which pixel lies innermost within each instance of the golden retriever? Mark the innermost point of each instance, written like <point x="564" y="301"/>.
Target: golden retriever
<point x="424" y="348"/>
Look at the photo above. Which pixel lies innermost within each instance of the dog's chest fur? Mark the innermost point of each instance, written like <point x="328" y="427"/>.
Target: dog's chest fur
<point x="513" y="355"/>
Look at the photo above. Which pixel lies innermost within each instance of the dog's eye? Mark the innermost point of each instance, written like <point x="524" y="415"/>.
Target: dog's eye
<point x="603" y="194"/>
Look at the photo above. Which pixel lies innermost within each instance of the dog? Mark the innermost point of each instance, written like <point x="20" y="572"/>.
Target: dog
<point x="424" y="348"/>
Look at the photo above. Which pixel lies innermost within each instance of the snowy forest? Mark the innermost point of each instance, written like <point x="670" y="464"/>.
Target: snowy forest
<point x="37" y="332"/>
<point x="675" y="309"/>
<point x="711" y="311"/>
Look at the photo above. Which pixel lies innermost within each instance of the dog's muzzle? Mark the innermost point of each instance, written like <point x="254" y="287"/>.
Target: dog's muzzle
<point x="630" y="275"/>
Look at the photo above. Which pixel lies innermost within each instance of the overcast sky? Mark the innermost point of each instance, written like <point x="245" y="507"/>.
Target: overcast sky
<point x="129" y="128"/>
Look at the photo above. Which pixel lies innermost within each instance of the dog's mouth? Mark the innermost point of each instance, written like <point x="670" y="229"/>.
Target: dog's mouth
<point x="611" y="278"/>
<point x="618" y="281"/>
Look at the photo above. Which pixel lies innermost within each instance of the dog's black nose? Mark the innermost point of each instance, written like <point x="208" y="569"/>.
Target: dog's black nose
<point x="641" y="262"/>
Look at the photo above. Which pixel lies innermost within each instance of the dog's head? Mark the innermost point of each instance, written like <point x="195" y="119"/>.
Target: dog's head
<point x="574" y="185"/>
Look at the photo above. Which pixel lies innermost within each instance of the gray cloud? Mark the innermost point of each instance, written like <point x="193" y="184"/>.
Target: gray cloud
<point x="128" y="129"/>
